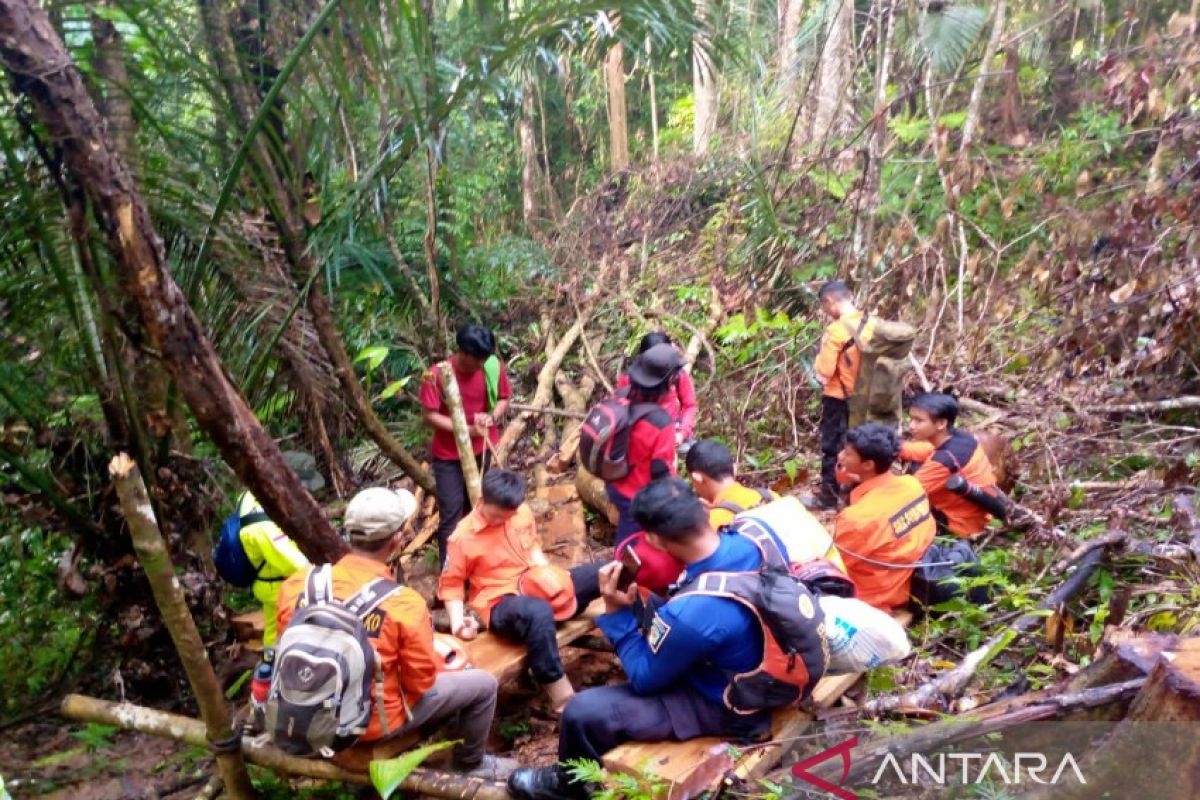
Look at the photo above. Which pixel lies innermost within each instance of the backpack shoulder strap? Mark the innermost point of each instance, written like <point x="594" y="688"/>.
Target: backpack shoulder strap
<point x="368" y="598"/>
<point x="318" y="586"/>
<point x="731" y="507"/>
<point x="763" y="537"/>
<point x="766" y="495"/>
<point x="855" y="333"/>
<point x="648" y="412"/>
<point x="255" y="517"/>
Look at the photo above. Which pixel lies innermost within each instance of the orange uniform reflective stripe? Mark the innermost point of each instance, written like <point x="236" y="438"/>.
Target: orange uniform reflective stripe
<point x="888" y="520"/>
<point x="490" y="558"/>
<point x="962" y="454"/>
<point x="400" y="630"/>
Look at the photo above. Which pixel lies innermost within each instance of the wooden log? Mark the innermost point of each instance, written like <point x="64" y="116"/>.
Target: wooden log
<point x="1171" y="404"/>
<point x="168" y="595"/>
<point x="591" y="491"/>
<point x="191" y="731"/>
<point x="716" y="312"/>
<point x="462" y="431"/>
<point x="575" y="399"/>
<point x="504" y="659"/>
<point x="545" y="385"/>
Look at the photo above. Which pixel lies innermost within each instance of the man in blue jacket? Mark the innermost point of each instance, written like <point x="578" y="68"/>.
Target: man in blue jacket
<point x="678" y="669"/>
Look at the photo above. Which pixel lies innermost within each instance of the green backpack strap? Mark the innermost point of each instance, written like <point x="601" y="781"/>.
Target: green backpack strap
<point x="491" y="378"/>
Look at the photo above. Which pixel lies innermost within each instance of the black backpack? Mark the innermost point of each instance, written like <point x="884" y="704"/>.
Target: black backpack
<point x="933" y="584"/>
<point x="604" y="435"/>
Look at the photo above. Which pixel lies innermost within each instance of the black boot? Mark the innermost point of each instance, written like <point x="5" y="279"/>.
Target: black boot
<point x="545" y="783"/>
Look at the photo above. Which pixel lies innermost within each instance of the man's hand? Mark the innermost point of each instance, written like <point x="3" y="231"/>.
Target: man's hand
<point x="468" y="630"/>
<point x="614" y="598"/>
<point x="482" y="423"/>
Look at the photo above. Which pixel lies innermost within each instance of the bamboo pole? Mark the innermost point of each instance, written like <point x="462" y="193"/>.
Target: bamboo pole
<point x="462" y="431"/>
<point x="156" y="561"/>
<point x="191" y="731"/>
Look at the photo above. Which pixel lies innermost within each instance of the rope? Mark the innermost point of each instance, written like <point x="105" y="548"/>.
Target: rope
<point x="233" y="744"/>
<point x="887" y="565"/>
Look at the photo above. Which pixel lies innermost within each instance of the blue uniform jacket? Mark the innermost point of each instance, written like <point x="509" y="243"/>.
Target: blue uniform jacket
<point x="695" y="640"/>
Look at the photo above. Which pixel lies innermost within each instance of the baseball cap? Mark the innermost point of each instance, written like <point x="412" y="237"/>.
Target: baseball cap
<point x="375" y="514"/>
<point x="653" y="367"/>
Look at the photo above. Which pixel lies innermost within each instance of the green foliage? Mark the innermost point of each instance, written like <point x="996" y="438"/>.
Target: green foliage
<point x="388" y="774"/>
<point x="947" y="33"/>
<point x="617" y="786"/>
<point x="43" y="636"/>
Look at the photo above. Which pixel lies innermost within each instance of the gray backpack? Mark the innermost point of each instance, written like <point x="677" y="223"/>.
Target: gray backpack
<point x="882" y="367"/>
<point x="325" y="666"/>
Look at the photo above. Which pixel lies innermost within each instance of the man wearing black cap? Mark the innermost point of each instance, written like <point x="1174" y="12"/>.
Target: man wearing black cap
<point x="652" y="437"/>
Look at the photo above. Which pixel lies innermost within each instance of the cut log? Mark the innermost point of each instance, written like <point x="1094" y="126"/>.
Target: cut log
<point x="574" y="399"/>
<point x="191" y="731"/>
<point x="247" y="626"/>
<point x="561" y="524"/>
<point x="591" y="491"/>
<point x="505" y="659"/>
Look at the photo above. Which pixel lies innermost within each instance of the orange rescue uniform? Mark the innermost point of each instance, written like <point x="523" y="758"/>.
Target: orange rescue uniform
<point x="838" y="359"/>
<point x="490" y="557"/>
<point x="400" y="630"/>
<point x="959" y="454"/>
<point x="888" y="520"/>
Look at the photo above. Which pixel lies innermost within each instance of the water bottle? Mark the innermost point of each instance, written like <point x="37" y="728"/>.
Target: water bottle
<point x="260" y="684"/>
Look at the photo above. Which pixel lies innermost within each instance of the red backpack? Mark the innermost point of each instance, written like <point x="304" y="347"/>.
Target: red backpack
<point x="795" y="650"/>
<point x="604" y="436"/>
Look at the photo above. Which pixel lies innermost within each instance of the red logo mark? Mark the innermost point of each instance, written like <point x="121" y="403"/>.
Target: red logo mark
<point x="801" y="769"/>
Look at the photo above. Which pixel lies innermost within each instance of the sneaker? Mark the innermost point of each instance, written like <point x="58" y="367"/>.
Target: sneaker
<point x="492" y="768"/>
<point x="545" y="783"/>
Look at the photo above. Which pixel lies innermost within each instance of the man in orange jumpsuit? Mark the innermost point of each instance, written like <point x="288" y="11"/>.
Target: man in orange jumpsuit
<point x="836" y="369"/>
<point x="887" y="525"/>
<point x="938" y="451"/>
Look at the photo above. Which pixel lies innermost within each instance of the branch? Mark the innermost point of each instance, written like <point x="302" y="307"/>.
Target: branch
<point x="1173" y="404"/>
<point x="462" y="431"/>
<point x="939" y="692"/>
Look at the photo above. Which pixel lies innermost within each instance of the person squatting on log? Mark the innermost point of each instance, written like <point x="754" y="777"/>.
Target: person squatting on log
<point x="415" y="693"/>
<point x="680" y="399"/>
<point x="483" y="383"/>
<point x="495" y="550"/>
<point x="267" y="545"/>
<point x="680" y="668"/>
<point x="836" y="369"/>
<point x="939" y="451"/>
<point x="651" y="453"/>
<point x="888" y="523"/>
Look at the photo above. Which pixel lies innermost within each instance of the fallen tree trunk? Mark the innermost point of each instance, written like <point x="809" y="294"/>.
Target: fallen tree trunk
<point x="191" y="731"/>
<point x="462" y="431"/>
<point x="545" y="385"/>
<point x="575" y="400"/>
<point x="716" y="312"/>
<point x="591" y="491"/>
<point x="217" y="729"/>
<point x="941" y="691"/>
<point x="41" y="70"/>
<point x="1173" y="404"/>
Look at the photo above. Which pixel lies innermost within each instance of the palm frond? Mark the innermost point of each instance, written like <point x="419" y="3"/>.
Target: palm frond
<point x="947" y="33"/>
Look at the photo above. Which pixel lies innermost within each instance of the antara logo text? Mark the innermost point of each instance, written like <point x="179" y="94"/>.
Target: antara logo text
<point x="943" y="769"/>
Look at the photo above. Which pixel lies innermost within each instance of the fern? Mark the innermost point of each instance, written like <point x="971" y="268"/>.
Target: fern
<point x="947" y="33"/>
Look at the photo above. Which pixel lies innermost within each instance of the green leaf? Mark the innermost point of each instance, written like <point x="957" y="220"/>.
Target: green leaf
<point x="791" y="467"/>
<point x="393" y="387"/>
<point x="388" y="774"/>
<point x="949" y="33"/>
<point x="374" y="356"/>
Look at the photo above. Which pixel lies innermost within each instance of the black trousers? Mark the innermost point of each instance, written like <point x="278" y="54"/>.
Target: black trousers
<point x="835" y="418"/>
<point x="597" y="720"/>
<point x="453" y="501"/>
<point x="530" y="621"/>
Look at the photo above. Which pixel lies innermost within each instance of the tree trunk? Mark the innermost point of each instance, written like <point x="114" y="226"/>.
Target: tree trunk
<point x="302" y="263"/>
<point x="529" y="172"/>
<point x="704" y="82"/>
<point x="190" y="731"/>
<point x="115" y="105"/>
<point x="41" y="70"/>
<point x="591" y="491"/>
<point x="975" y="106"/>
<point x="828" y="102"/>
<point x="618" y="132"/>
<point x="545" y="387"/>
<point x="462" y="431"/>
<point x="864" y="229"/>
<point x="653" y="100"/>
<point x="790" y="14"/>
<point x="168" y="594"/>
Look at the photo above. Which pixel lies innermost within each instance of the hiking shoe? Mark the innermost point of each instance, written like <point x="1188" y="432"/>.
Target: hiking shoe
<point x="545" y="783"/>
<point x="492" y="768"/>
<point x="822" y="501"/>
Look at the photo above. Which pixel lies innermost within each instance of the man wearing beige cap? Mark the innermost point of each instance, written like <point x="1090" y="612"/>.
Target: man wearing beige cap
<point x="414" y="692"/>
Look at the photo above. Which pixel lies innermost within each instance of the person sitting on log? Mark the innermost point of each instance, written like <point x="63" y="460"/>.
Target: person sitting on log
<point x="495" y="550"/>
<point x="265" y="543"/>
<point x="680" y="399"/>
<point x="651" y="450"/>
<point x="400" y="630"/>
<point x="483" y="384"/>
<point x="888" y="524"/>
<point x="940" y="451"/>
<point x="683" y="668"/>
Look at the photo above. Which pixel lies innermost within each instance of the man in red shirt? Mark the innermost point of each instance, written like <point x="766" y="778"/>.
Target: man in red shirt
<point x="476" y="344"/>
<point x="680" y="399"/>
<point x="652" y="438"/>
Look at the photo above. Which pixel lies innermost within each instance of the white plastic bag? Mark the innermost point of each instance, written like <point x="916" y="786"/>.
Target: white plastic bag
<point x="861" y="636"/>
